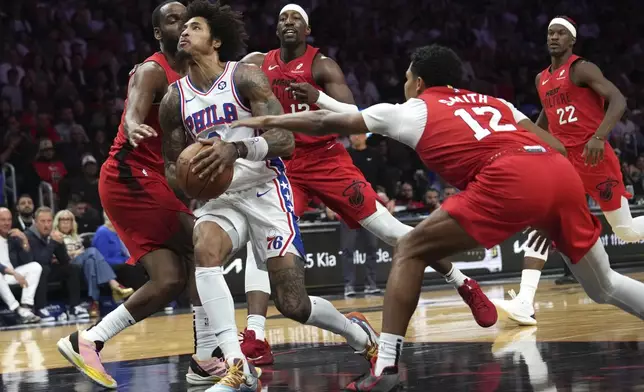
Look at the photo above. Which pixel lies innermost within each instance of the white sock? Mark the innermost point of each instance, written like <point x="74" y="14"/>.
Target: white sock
<point x="529" y="282"/>
<point x="256" y="324"/>
<point x="324" y="315"/>
<point x="115" y="321"/>
<point x="389" y="352"/>
<point x="220" y="308"/>
<point x="455" y="277"/>
<point x="205" y="338"/>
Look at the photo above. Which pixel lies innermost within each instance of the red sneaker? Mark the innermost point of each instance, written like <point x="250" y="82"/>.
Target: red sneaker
<point x="483" y="309"/>
<point x="258" y="352"/>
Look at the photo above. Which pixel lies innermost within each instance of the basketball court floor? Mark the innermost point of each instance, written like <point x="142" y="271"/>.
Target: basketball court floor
<point x="577" y="346"/>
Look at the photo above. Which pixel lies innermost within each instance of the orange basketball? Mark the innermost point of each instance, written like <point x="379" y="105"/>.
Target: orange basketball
<point x="195" y="187"/>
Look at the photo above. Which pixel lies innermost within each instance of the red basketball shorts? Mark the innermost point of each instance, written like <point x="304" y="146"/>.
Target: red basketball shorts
<point x="604" y="182"/>
<point x="141" y="206"/>
<point x="329" y="174"/>
<point x="520" y="190"/>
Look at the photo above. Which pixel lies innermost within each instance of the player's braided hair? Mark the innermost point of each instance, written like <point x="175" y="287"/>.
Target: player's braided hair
<point x="225" y="24"/>
<point x="437" y="65"/>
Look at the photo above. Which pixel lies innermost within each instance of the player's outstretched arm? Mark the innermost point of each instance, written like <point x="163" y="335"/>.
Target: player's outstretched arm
<point x="587" y="74"/>
<point x="254" y="86"/>
<point x="316" y="123"/>
<point x="146" y="81"/>
<point x="328" y="74"/>
<point x="173" y="135"/>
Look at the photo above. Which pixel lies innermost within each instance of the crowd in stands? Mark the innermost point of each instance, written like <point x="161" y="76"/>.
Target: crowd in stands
<point x="64" y="68"/>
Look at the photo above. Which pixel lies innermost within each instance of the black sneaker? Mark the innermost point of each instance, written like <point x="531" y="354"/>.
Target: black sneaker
<point x="388" y="381"/>
<point x="566" y="279"/>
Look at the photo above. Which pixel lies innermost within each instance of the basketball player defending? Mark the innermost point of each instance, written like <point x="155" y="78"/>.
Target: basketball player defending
<point x="155" y="226"/>
<point x="573" y="91"/>
<point x="257" y="205"/>
<point x="320" y="166"/>
<point x="484" y="146"/>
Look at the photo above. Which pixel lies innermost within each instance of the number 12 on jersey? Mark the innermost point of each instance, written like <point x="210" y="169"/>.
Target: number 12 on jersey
<point x="493" y="123"/>
<point x="300" y="107"/>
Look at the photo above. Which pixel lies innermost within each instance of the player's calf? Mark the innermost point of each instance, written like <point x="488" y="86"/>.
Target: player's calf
<point x="287" y="278"/>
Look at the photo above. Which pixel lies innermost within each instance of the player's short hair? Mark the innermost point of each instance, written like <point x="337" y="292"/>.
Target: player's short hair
<point x="437" y="65"/>
<point x="156" y="14"/>
<point x="225" y="24"/>
<point x="43" y="210"/>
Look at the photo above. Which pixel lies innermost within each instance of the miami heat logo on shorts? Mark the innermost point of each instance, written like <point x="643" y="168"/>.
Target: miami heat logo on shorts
<point x="606" y="188"/>
<point x="354" y="193"/>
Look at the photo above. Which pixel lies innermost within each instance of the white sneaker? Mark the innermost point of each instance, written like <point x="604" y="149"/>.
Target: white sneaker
<point x="27" y="316"/>
<point x="79" y="312"/>
<point x="516" y="309"/>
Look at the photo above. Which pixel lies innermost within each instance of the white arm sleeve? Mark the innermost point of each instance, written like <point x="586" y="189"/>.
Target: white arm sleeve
<point x="326" y="102"/>
<point x="403" y="122"/>
<point x="518" y="116"/>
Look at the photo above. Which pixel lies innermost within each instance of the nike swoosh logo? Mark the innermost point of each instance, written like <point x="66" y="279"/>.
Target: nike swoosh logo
<point x="263" y="193"/>
<point x="272" y="67"/>
<point x="545" y="81"/>
<point x="188" y="100"/>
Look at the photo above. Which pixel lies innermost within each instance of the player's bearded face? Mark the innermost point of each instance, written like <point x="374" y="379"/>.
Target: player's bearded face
<point x="195" y="39"/>
<point x="559" y="40"/>
<point x="291" y="27"/>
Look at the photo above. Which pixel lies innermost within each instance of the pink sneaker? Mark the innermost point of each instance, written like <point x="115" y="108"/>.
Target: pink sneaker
<point x="205" y="372"/>
<point x="85" y="356"/>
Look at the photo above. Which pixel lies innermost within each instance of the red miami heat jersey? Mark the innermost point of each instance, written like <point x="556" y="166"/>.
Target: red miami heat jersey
<point x="281" y="75"/>
<point x="148" y="153"/>
<point x="465" y="131"/>
<point x="574" y="113"/>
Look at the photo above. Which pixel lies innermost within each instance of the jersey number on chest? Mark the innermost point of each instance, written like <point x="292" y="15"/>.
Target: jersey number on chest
<point x="566" y="115"/>
<point x="479" y="126"/>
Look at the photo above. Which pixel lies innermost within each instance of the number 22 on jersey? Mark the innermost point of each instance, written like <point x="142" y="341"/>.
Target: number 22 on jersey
<point x="475" y="125"/>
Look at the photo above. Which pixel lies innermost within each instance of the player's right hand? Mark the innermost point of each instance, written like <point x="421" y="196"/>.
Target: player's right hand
<point x="21" y="280"/>
<point x="140" y="132"/>
<point x="304" y="92"/>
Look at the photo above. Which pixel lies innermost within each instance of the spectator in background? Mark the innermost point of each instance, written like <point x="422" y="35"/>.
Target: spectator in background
<point x="84" y="185"/>
<point x="65" y="125"/>
<point x="405" y="199"/>
<point x="45" y="244"/>
<point x="17" y="268"/>
<point x="96" y="270"/>
<point x="116" y="254"/>
<point x="101" y="147"/>
<point x="48" y="167"/>
<point x="43" y="128"/>
<point x="25" y="216"/>
<point x="448" y="192"/>
<point x="12" y="91"/>
<point x="87" y="217"/>
<point x="432" y="200"/>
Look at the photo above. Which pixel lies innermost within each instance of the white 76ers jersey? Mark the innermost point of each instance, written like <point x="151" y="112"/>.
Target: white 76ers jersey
<point x="207" y="114"/>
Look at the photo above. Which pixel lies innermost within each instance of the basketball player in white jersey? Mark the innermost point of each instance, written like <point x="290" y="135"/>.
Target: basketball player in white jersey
<point x="257" y="205"/>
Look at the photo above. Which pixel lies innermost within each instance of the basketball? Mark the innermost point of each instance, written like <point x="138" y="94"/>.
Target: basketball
<point x="195" y="187"/>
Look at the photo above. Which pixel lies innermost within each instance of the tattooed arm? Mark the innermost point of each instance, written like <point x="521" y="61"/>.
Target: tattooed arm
<point x="255" y="88"/>
<point x="173" y="136"/>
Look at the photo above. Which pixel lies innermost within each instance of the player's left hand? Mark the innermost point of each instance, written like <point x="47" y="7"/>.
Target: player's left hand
<point x="594" y="151"/>
<point x="251" y="122"/>
<point x="210" y="162"/>
<point x="304" y="92"/>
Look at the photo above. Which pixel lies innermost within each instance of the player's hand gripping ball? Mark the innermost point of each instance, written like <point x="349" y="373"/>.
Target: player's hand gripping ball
<point x="205" y="169"/>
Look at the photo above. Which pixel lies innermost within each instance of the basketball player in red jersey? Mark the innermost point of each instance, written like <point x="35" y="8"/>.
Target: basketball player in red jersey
<point x="321" y="167"/>
<point x="154" y="225"/>
<point x="573" y="94"/>
<point x="484" y="146"/>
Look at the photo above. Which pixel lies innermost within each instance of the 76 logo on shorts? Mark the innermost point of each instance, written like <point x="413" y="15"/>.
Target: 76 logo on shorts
<point x="275" y="242"/>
